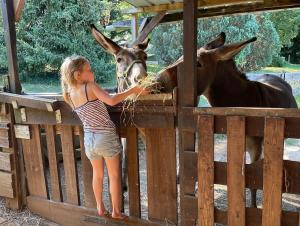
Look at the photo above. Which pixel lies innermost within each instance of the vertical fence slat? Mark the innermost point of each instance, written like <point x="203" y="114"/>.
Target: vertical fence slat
<point x="53" y="163"/>
<point x="272" y="171"/>
<point x="87" y="175"/>
<point x="34" y="164"/>
<point x="133" y="172"/>
<point x="161" y="174"/>
<point x="69" y="165"/>
<point x="236" y="170"/>
<point x="206" y="170"/>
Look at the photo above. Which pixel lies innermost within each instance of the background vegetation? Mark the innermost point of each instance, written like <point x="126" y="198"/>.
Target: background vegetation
<point x="51" y="30"/>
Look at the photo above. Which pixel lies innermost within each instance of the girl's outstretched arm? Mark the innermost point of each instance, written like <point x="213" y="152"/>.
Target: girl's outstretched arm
<point x="115" y="98"/>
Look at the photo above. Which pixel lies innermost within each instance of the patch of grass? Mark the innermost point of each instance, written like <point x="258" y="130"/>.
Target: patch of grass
<point x="290" y="141"/>
<point x="287" y="68"/>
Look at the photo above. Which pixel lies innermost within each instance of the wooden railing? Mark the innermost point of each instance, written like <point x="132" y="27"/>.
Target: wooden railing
<point x="53" y="148"/>
<point x="273" y="175"/>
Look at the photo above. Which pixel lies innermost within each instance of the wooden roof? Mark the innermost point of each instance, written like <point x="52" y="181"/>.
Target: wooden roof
<point x="151" y="6"/>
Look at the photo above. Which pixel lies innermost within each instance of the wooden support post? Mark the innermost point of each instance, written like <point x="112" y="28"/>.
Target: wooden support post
<point x="134" y="26"/>
<point x="10" y="40"/>
<point x="187" y="96"/>
<point x="8" y="13"/>
<point x="149" y="27"/>
<point x="18" y="5"/>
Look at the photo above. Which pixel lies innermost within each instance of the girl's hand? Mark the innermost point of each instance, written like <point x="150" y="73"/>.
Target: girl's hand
<point x="141" y="90"/>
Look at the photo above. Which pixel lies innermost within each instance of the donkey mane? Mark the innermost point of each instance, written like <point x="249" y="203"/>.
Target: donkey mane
<point x="230" y="66"/>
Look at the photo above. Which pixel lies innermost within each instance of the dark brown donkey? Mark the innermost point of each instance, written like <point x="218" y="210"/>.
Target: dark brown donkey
<point x="224" y="85"/>
<point x="130" y="67"/>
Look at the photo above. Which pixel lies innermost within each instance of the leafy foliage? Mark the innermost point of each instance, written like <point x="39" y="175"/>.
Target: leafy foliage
<point x="49" y="31"/>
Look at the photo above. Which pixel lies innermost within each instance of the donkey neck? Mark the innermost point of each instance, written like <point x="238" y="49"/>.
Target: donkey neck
<point x="230" y="88"/>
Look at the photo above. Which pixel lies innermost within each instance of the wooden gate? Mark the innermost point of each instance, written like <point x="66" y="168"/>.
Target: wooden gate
<point x="59" y="175"/>
<point x="273" y="175"/>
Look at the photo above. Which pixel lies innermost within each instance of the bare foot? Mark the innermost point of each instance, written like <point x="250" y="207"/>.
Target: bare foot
<point x="119" y="216"/>
<point x="102" y="212"/>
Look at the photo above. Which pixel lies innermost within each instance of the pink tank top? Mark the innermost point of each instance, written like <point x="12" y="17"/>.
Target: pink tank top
<point x="94" y="116"/>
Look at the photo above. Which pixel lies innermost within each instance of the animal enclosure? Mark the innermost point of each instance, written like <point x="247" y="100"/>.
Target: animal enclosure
<point x="41" y="142"/>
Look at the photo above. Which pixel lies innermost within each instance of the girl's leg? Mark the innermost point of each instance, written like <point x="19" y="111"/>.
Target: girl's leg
<point x="98" y="184"/>
<point x="113" y="168"/>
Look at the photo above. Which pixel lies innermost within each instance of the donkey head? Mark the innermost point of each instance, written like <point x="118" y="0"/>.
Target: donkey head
<point x="214" y="56"/>
<point x="130" y="62"/>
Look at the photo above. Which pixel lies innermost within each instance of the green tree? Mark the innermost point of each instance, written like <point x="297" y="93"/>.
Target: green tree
<point x="287" y="24"/>
<point x="167" y="39"/>
<point x="49" y="31"/>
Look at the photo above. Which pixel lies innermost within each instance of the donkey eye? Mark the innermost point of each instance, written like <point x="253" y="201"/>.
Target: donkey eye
<point x="119" y="59"/>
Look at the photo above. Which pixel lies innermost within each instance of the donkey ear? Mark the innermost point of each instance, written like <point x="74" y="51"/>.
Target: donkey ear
<point x="106" y="43"/>
<point x="217" y="42"/>
<point x="227" y="52"/>
<point x="143" y="45"/>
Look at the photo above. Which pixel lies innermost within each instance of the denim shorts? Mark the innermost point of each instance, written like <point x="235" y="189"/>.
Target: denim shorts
<point x="105" y="144"/>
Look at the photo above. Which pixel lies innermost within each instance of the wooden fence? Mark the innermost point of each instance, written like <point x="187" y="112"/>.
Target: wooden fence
<point x="52" y="145"/>
<point x="273" y="175"/>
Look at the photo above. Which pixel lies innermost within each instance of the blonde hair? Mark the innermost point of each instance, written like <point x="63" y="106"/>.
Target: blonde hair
<point x="67" y="70"/>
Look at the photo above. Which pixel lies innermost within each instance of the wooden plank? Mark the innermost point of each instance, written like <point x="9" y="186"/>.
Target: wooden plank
<point x="87" y="175"/>
<point x="253" y="215"/>
<point x="253" y="174"/>
<point x="8" y="15"/>
<point x="272" y="168"/>
<point x="22" y="132"/>
<point x="18" y="5"/>
<point x="255" y="124"/>
<point x="236" y="141"/>
<point x="149" y="27"/>
<point x="71" y="176"/>
<point x="161" y="174"/>
<point x="5" y="136"/>
<point x="133" y="172"/>
<point x="30" y="101"/>
<point x="6" y="161"/>
<point x="56" y="192"/>
<point x="143" y="120"/>
<point x="247" y="111"/>
<point x="206" y="170"/>
<point x="177" y="6"/>
<point x="132" y="221"/>
<point x="7" y="185"/>
<point x="34" y="164"/>
<point x="227" y="9"/>
<point x="67" y="214"/>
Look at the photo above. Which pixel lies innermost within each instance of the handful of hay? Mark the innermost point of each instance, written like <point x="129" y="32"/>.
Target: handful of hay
<point x="149" y="83"/>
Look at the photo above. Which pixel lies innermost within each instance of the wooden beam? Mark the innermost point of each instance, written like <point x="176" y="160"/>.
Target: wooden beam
<point x="179" y="6"/>
<point x="255" y="112"/>
<point x="30" y="101"/>
<point x="149" y="27"/>
<point x="217" y="7"/>
<point x="68" y="214"/>
<point x="10" y="41"/>
<point x="243" y="7"/>
<point x="18" y="5"/>
<point x="134" y="27"/>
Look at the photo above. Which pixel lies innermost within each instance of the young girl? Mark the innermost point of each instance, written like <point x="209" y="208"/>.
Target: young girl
<point x="100" y="139"/>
